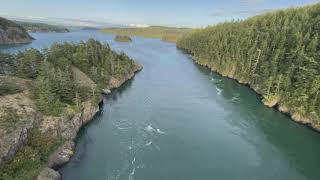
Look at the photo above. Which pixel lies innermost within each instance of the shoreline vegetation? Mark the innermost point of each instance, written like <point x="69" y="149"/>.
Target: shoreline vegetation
<point x="46" y="97"/>
<point x="123" y="38"/>
<point x="275" y="54"/>
<point x="168" y="34"/>
<point x="42" y="27"/>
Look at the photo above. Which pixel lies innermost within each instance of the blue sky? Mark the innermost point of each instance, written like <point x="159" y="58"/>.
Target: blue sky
<point x="188" y="13"/>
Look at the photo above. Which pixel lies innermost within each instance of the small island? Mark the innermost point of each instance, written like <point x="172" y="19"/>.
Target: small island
<point x="123" y="38"/>
<point x="168" y="34"/>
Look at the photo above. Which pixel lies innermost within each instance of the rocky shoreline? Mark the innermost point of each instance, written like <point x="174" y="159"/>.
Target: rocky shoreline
<point x="274" y="103"/>
<point x="63" y="154"/>
<point x="21" y="122"/>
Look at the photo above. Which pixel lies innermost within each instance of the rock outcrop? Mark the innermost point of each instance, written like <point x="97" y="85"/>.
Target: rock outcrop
<point x="11" y="33"/>
<point x="17" y="116"/>
<point x="271" y="102"/>
<point x="62" y="155"/>
<point x="115" y="83"/>
<point x="49" y="174"/>
<point x="69" y="128"/>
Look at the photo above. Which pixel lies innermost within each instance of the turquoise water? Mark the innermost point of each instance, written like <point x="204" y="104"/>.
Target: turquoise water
<point x="177" y="121"/>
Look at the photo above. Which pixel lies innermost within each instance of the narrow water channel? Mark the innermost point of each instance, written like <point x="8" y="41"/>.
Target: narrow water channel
<point x="177" y="121"/>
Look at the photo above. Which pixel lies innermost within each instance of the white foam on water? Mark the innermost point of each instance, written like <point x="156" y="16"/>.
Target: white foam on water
<point x="235" y="99"/>
<point x="133" y="161"/>
<point x="160" y="132"/>
<point x="219" y="91"/>
<point x="216" y="81"/>
<point x="149" y="143"/>
<point x="129" y="147"/>
<point x="141" y="166"/>
<point x="150" y="128"/>
<point x="131" y="175"/>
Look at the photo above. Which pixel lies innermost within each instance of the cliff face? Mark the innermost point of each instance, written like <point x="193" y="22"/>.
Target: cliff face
<point x="19" y="116"/>
<point x="69" y="128"/>
<point x="11" y="33"/>
<point x="115" y="83"/>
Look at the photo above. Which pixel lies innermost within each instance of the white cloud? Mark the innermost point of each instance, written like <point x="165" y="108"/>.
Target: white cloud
<point x="139" y="25"/>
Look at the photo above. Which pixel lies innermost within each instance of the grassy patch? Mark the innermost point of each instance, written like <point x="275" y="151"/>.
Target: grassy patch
<point x="29" y="161"/>
<point x="9" y="119"/>
<point x="7" y="87"/>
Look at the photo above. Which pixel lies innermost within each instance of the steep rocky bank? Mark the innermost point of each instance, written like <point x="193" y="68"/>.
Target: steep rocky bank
<point x="274" y="53"/>
<point x="11" y="33"/>
<point x="19" y="116"/>
<point x="68" y="129"/>
<point x="271" y="103"/>
<point x="116" y="83"/>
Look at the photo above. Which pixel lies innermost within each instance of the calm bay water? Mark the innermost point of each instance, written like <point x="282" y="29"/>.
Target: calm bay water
<point x="177" y="121"/>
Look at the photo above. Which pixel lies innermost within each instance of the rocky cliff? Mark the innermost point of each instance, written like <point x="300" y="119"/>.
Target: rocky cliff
<point x="273" y="102"/>
<point x="11" y="33"/>
<point x="117" y="82"/>
<point x="274" y="53"/>
<point x="34" y="143"/>
<point x="69" y="128"/>
<point x="19" y="116"/>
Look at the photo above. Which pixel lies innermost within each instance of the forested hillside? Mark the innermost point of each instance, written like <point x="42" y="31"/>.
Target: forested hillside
<point x="47" y="96"/>
<point x="52" y="71"/>
<point x="41" y="27"/>
<point x="277" y="54"/>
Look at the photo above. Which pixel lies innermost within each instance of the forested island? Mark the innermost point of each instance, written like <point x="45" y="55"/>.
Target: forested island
<point x="42" y="27"/>
<point x="169" y="34"/>
<point x="276" y="54"/>
<point x="46" y="97"/>
<point x="12" y="33"/>
<point x="90" y="28"/>
<point x="122" y="38"/>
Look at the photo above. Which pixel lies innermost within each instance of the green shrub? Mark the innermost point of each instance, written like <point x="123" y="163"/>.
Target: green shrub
<point x="7" y="88"/>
